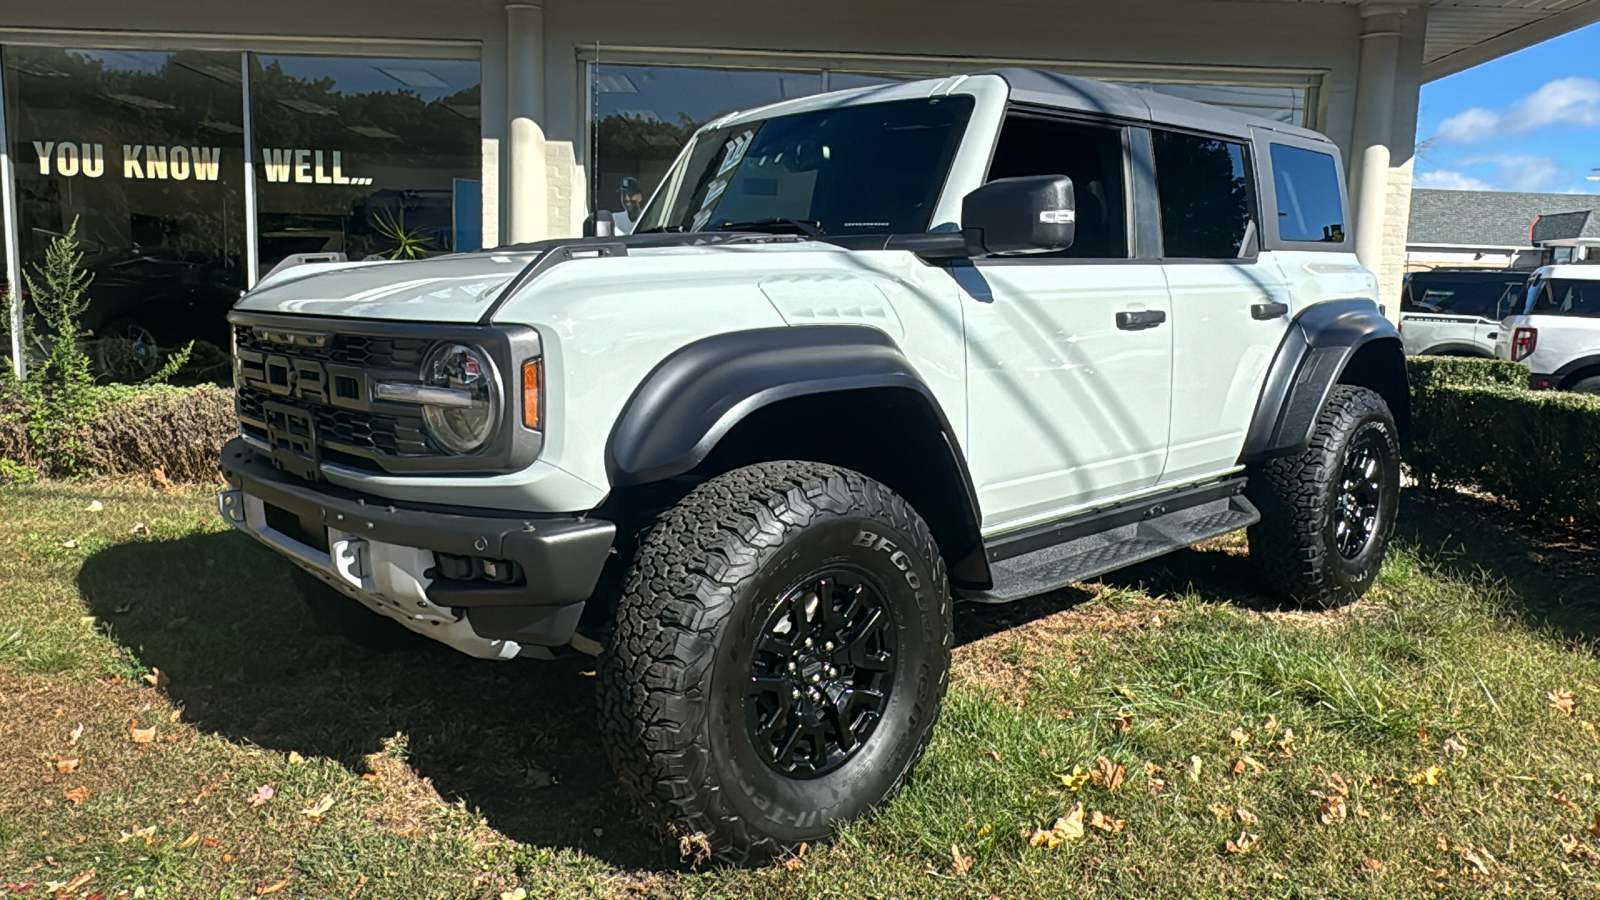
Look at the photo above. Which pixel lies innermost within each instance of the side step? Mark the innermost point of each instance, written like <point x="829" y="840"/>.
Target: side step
<point x="1054" y="567"/>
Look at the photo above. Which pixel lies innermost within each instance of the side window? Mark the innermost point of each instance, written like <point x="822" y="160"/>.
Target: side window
<point x="1092" y="156"/>
<point x="1309" y="205"/>
<point x="1205" y="197"/>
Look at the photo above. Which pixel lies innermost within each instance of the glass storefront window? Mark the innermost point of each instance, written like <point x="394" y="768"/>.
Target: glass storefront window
<point x="367" y="157"/>
<point x="643" y="115"/>
<point x="144" y="150"/>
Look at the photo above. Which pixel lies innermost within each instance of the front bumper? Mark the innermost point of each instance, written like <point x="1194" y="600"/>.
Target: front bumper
<point x="388" y="557"/>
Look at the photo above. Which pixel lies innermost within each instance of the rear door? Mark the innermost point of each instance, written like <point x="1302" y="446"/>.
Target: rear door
<point x="1230" y="304"/>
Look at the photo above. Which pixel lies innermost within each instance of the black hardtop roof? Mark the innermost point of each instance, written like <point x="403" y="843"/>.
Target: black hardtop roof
<point x="1039" y="88"/>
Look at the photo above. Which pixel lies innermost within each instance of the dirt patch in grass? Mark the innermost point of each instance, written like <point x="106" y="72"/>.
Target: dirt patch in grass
<point x="1003" y="662"/>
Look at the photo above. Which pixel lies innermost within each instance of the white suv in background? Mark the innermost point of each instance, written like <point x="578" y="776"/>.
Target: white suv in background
<point x="1457" y="312"/>
<point x="1557" y="333"/>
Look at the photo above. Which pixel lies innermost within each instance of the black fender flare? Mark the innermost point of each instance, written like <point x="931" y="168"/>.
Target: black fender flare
<point x="1470" y="351"/>
<point x="1572" y="368"/>
<point x="1319" y="346"/>
<point x="696" y="396"/>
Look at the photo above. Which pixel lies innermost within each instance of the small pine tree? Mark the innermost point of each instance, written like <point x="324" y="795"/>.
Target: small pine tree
<point x="61" y="294"/>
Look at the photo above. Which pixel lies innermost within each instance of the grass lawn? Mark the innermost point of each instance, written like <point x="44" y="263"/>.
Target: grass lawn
<point x="158" y="681"/>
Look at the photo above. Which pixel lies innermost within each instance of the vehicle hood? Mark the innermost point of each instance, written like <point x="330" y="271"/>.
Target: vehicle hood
<point x="444" y="289"/>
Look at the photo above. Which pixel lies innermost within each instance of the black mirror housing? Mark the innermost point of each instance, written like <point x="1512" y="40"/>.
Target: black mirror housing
<point x="1033" y="214"/>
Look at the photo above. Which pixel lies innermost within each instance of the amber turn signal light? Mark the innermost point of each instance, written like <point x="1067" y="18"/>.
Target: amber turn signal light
<point x="531" y="376"/>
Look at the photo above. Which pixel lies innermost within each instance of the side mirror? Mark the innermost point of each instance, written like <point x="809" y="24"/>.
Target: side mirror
<point x="1034" y="214"/>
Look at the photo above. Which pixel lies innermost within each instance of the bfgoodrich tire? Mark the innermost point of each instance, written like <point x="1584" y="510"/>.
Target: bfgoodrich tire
<point x="780" y="656"/>
<point x="338" y="615"/>
<point x="1328" y="513"/>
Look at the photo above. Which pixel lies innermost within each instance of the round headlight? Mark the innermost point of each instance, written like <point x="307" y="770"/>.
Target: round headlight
<point x="464" y="424"/>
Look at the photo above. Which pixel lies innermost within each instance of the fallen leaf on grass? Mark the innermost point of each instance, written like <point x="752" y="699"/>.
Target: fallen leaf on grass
<point x="1076" y="780"/>
<point x="793" y="863"/>
<point x="76" y="733"/>
<point x="141" y="735"/>
<point x="1429" y="777"/>
<point x="79" y="881"/>
<point x="148" y="833"/>
<point x="78" y="795"/>
<point x="1108" y="774"/>
<point x="1244" y="843"/>
<point x="1563" y="699"/>
<point x="1455" y="748"/>
<point x="210" y="842"/>
<point x="1067" y="828"/>
<point x="1371" y="865"/>
<point x="1221" y="811"/>
<point x="273" y="888"/>
<point x="1194" y="769"/>
<point x="1574" y="847"/>
<point x="1566" y="803"/>
<point x="189" y="841"/>
<point x="1469" y="855"/>
<point x="1333" y="809"/>
<point x="958" y="862"/>
<point x="1338" y="785"/>
<point x="94" y="506"/>
<point x="518" y="894"/>
<point x="67" y="766"/>
<point x="320" y="808"/>
<point x="69" y="543"/>
<point x="1239" y="736"/>
<point x="159" y="478"/>
<point x="1123" y="723"/>
<point x="1285" y="744"/>
<point x="1594" y="830"/>
<point x="1154" y="783"/>
<point x="1105" y="823"/>
<point x="361" y="883"/>
<point x="1246" y="816"/>
<point x="139" y="528"/>
<point x="262" y="795"/>
<point x="1272" y="722"/>
<point x="994" y="755"/>
<point x="157" y="679"/>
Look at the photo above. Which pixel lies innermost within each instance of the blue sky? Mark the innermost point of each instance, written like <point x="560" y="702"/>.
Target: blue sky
<point x="1525" y="122"/>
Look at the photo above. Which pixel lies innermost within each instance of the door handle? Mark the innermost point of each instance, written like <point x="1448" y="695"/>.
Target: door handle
<point x="1264" y="311"/>
<point x="1140" y="320"/>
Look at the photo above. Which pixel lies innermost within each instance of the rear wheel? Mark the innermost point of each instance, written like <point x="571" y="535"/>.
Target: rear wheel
<point x="779" y="658"/>
<point x="1589" y="385"/>
<point x="1327" y="514"/>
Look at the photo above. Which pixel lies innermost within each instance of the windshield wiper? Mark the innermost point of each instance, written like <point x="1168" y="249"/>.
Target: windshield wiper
<point x="809" y="228"/>
<point x="662" y="229"/>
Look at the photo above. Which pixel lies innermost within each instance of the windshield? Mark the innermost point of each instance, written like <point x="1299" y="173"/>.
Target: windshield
<point x="1566" y="297"/>
<point x="1491" y="296"/>
<point x="869" y="169"/>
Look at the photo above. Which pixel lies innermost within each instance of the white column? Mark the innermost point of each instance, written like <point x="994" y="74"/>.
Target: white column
<point x="525" y="157"/>
<point x="1374" y="122"/>
<point x="8" y="214"/>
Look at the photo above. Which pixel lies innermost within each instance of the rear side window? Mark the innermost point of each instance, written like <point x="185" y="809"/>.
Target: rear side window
<point x="1205" y="197"/>
<point x="1309" y="206"/>
<point x="1567" y="297"/>
<point x="1462" y="295"/>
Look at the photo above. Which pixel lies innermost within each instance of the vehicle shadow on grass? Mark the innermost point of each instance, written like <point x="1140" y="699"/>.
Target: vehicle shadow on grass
<point x="517" y="740"/>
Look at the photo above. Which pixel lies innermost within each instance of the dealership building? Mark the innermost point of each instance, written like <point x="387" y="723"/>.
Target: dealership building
<point x="198" y="144"/>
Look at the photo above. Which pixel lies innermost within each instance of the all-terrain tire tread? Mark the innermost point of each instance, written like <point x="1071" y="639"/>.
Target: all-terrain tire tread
<point x="1292" y="493"/>
<point x="689" y="568"/>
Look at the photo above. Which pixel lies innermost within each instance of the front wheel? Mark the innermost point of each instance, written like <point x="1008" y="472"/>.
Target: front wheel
<point x="780" y="656"/>
<point x="1327" y="514"/>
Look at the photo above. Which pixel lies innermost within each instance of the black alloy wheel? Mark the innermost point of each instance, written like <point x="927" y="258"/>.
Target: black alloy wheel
<point x="822" y="670"/>
<point x="1360" y="500"/>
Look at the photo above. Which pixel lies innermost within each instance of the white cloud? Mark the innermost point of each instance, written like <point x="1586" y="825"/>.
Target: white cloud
<point x="1521" y="171"/>
<point x="1446" y="179"/>
<point x="1566" y="101"/>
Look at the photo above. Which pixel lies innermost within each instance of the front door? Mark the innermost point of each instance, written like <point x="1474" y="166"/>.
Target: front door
<point x="1069" y="355"/>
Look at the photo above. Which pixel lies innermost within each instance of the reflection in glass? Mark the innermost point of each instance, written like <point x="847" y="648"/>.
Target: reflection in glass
<point x="645" y="114"/>
<point x="1279" y="103"/>
<point x="143" y="149"/>
<point x="365" y="156"/>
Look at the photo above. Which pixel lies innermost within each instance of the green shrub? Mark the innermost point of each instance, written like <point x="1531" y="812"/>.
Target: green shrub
<point x="1474" y="423"/>
<point x="1434" y="370"/>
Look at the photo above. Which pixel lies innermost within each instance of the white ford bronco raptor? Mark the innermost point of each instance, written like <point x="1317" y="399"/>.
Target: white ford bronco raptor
<point x="867" y="354"/>
<point x="1556" y="332"/>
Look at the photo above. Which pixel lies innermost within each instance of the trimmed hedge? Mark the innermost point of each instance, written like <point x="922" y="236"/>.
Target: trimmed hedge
<point x="1476" y="424"/>
<point x="125" y="430"/>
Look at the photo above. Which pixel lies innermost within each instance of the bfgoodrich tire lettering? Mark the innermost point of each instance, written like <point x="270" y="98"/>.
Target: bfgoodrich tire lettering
<point x="1348" y="477"/>
<point x="676" y="675"/>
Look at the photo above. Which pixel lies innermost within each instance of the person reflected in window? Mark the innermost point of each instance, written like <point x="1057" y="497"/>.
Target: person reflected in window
<point x="632" y="199"/>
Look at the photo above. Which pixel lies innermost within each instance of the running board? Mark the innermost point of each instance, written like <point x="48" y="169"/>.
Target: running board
<point x="1059" y="565"/>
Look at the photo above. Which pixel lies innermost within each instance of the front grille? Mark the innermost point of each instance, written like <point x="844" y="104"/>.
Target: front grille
<point x="327" y="376"/>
